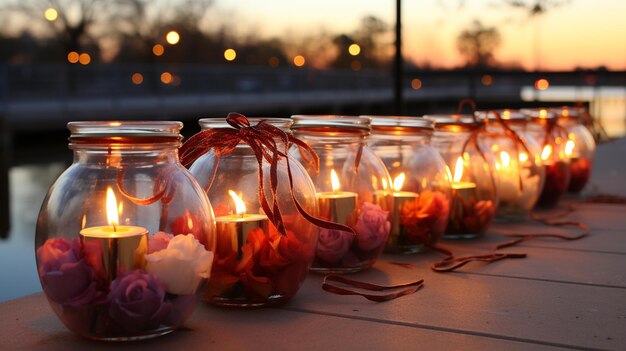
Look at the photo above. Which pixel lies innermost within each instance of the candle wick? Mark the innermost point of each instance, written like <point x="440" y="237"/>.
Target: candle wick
<point x="114" y="228"/>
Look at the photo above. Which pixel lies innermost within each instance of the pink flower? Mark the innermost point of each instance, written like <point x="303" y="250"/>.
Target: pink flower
<point x="138" y="301"/>
<point x="372" y="227"/>
<point x="332" y="244"/>
<point x="65" y="275"/>
<point x="159" y="241"/>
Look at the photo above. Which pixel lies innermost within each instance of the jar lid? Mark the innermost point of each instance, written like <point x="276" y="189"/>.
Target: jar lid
<point x="220" y="122"/>
<point x="454" y="122"/>
<point x="332" y="123"/>
<point x="401" y="124"/>
<point x="122" y="132"/>
<point x="539" y="114"/>
<point x="567" y="112"/>
<point x="514" y="116"/>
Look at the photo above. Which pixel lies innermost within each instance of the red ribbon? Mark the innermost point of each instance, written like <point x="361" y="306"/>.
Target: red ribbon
<point x="411" y="288"/>
<point x="268" y="143"/>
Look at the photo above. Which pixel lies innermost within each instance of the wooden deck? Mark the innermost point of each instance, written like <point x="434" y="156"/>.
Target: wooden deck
<point x="565" y="295"/>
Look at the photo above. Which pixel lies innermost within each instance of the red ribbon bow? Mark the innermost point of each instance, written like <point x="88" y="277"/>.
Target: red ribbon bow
<point x="267" y="142"/>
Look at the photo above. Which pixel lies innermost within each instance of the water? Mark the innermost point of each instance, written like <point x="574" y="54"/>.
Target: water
<point x="28" y="185"/>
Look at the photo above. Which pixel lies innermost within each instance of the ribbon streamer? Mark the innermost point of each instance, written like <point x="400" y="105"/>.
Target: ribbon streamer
<point x="410" y="288"/>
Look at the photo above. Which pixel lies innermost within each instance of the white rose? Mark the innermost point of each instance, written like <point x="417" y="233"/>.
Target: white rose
<point x="182" y="265"/>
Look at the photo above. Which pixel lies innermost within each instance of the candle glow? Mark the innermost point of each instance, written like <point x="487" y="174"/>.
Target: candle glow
<point x="398" y="182"/>
<point x="111" y="208"/>
<point x="458" y="170"/>
<point x="240" y="207"/>
<point x="547" y="151"/>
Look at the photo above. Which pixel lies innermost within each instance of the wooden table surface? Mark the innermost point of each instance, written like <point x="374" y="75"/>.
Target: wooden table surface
<point x="564" y="295"/>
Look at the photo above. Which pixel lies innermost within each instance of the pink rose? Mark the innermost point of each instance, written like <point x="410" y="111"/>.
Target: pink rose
<point x="159" y="241"/>
<point x="332" y="244"/>
<point x="65" y="275"/>
<point x="372" y="227"/>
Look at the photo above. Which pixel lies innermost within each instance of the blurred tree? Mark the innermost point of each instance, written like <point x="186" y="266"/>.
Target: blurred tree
<point x="477" y="45"/>
<point x="373" y="50"/>
<point x="72" y="20"/>
<point x="536" y="7"/>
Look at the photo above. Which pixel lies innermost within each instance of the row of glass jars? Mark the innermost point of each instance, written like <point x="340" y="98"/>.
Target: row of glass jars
<point x="126" y="237"/>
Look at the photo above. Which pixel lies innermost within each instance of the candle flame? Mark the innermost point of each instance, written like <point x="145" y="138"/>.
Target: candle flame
<point x="398" y="182"/>
<point x="565" y="112"/>
<point x="547" y="151"/>
<point x="111" y="207"/>
<point x="506" y="114"/>
<point x="543" y="113"/>
<point x="523" y="157"/>
<point x="569" y="147"/>
<point x="384" y="181"/>
<point x="505" y="158"/>
<point x="240" y="207"/>
<point x="334" y="180"/>
<point x="458" y="170"/>
<point x="189" y="223"/>
<point x="449" y="173"/>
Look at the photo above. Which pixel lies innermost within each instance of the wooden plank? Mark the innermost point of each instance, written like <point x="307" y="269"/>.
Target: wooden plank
<point x="554" y="313"/>
<point x="28" y="323"/>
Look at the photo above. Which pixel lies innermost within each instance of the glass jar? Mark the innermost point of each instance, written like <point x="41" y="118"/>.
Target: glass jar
<point x="553" y="140"/>
<point x="519" y="171"/>
<point x="351" y="183"/>
<point x="125" y="236"/>
<point x="420" y="185"/>
<point x="255" y="264"/>
<point x="474" y="197"/>
<point x="581" y="147"/>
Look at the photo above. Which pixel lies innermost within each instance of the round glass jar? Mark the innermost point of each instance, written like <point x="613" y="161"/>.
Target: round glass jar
<point x="553" y="141"/>
<point x="255" y="264"/>
<point x="353" y="186"/>
<point x="125" y="236"/>
<point x="420" y="185"/>
<point x="518" y="168"/>
<point x="471" y="170"/>
<point x="581" y="148"/>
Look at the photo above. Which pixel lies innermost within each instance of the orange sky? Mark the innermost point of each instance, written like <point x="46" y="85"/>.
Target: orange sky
<point x="586" y="33"/>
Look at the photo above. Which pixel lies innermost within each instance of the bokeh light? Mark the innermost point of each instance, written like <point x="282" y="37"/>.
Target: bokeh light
<point x="230" y="54"/>
<point x="72" y="57"/>
<point x="299" y="61"/>
<point x="158" y="50"/>
<point x="84" y="59"/>
<point x="137" y="78"/>
<point x="172" y="37"/>
<point x="166" y="77"/>
<point x="486" y="80"/>
<point x="354" y="49"/>
<point x="542" y="84"/>
<point x="51" y="14"/>
<point x="416" y="84"/>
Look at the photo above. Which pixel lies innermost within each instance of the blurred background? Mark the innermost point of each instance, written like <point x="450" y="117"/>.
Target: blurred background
<point x="63" y="60"/>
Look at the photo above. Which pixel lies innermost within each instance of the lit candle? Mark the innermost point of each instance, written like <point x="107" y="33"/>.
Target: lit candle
<point x="400" y="199"/>
<point x="457" y="184"/>
<point x="337" y="206"/>
<point x="123" y="247"/>
<point x="507" y="179"/>
<point x="237" y="226"/>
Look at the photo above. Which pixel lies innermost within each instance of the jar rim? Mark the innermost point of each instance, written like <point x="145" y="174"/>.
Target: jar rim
<point x="539" y="113"/>
<point x="399" y="123"/>
<point x="454" y="122"/>
<point x="567" y="112"/>
<point x="134" y="129"/>
<point x="508" y="115"/>
<point x="220" y="122"/>
<point x="338" y="122"/>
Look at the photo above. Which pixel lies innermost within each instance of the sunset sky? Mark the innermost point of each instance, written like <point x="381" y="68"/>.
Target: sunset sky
<point x="585" y="33"/>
